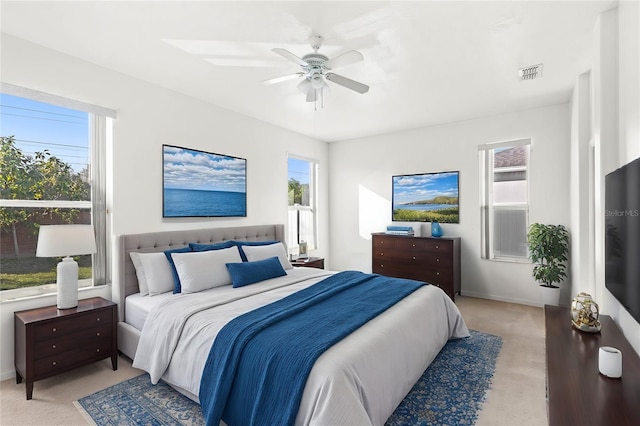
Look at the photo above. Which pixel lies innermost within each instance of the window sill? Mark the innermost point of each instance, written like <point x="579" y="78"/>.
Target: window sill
<point x="510" y="259"/>
<point x="28" y="293"/>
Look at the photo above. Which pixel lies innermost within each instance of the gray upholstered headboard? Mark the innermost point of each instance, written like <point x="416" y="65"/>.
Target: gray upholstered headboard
<point x="125" y="281"/>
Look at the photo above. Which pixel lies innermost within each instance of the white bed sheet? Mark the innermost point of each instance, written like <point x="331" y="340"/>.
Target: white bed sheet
<point x="138" y="307"/>
<point x="360" y="380"/>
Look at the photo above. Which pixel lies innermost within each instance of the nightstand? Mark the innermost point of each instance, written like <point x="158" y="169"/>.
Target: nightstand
<point x="49" y="341"/>
<point x="309" y="262"/>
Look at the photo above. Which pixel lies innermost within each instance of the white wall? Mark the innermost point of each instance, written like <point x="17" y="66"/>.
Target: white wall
<point x="149" y="116"/>
<point x="360" y="187"/>
<point x="617" y="137"/>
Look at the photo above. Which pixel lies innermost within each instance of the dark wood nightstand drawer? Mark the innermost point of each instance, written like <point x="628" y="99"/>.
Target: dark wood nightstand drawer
<point x="309" y="262"/>
<point x="59" y="327"/>
<point x="54" y="364"/>
<point x="64" y="342"/>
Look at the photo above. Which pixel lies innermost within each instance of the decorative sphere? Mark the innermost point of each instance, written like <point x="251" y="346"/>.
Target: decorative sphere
<point x="585" y="313"/>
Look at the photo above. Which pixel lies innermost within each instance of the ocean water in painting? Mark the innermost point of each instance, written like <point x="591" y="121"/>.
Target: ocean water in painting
<point x="194" y="202"/>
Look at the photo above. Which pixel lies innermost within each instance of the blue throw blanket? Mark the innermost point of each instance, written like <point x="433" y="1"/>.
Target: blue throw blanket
<point x="259" y="362"/>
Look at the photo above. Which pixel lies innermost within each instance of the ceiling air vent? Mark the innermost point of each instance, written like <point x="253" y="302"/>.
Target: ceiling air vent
<point x="531" y="72"/>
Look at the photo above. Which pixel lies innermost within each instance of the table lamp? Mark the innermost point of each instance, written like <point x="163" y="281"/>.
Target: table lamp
<point x="66" y="240"/>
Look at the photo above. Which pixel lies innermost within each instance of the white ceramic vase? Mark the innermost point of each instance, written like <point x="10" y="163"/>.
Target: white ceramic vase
<point x="549" y="295"/>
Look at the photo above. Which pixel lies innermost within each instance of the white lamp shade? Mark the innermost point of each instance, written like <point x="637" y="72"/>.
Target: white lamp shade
<point x="65" y="240"/>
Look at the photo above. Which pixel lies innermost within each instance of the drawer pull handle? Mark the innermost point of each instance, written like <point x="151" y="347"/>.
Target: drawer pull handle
<point x="414" y="258"/>
<point x="437" y="273"/>
<point x="413" y="245"/>
<point x="97" y="350"/>
<point x="53" y="347"/>
<point x="98" y="334"/>
<point x="98" y="319"/>
<point x="437" y="259"/>
<point x="381" y="254"/>
<point x="54" y="329"/>
<point x="381" y="265"/>
<point x="54" y="363"/>
<point x="437" y="246"/>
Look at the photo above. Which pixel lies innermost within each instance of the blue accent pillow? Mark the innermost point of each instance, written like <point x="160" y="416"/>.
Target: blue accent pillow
<point x="251" y="243"/>
<point x="176" y="279"/>
<point x="207" y="247"/>
<point x="246" y="273"/>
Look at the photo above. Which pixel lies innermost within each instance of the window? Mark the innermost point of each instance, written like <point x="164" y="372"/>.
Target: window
<point x="504" y="199"/>
<point x="53" y="161"/>
<point x="302" y="221"/>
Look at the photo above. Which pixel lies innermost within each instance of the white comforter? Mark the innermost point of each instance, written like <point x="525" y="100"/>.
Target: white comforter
<point x="358" y="381"/>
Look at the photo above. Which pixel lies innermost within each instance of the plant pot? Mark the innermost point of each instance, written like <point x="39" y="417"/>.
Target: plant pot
<point x="549" y="295"/>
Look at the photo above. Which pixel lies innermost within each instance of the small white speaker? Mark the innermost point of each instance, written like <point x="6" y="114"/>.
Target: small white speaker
<point x="610" y="362"/>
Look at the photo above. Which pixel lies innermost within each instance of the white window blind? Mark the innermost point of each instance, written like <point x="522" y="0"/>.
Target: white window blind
<point x="504" y="199"/>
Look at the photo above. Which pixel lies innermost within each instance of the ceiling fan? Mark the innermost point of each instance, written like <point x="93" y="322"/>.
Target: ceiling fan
<point x="316" y="68"/>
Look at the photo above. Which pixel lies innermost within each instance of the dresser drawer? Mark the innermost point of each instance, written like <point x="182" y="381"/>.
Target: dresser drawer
<point x="439" y="276"/>
<point x="384" y="241"/>
<point x="65" y="342"/>
<point x="418" y="259"/>
<point x="48" y="366"/>
<point x="410" y="244"/>
<point x="434" y="245"/>
<point x="56" y="327"/>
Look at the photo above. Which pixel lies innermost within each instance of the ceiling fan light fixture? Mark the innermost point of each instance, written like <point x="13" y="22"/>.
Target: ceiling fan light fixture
<point x="305" y="86"/>
<point x="317" y="82"/>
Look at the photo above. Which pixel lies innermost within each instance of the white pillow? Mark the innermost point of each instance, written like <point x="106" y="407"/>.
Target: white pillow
<point x="157" y="272"/>
<point x="264" y="252"/>
<point x="142" y="280"/>
<point x="205" y="269"/>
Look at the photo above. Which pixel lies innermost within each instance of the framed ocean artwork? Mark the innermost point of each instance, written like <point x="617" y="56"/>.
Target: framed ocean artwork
<point x="202" y="184"/>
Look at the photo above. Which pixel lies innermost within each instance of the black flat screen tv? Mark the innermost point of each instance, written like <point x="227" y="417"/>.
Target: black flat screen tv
<point x="425" y="197"/>
<point x="202" y="184"/>
<point x="622" y="239"/>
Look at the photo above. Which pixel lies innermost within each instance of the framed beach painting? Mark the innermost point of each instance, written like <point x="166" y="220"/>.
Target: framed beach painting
<point x="202" y="184"/>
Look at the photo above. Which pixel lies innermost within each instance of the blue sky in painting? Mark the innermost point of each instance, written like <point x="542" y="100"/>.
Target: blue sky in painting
<point x="409" y="188"/>
<point x="38" y="126"/>
<point x="189" y="169"/>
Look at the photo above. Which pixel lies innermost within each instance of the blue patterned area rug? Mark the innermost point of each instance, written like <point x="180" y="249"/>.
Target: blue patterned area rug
<point x="450" y="392"/>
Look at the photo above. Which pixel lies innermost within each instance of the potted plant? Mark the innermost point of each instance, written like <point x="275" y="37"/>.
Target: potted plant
<point x="548" y="250"/>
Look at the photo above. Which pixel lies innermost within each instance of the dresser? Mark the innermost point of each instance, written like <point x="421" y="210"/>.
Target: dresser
<point x="577" y="394"/>
<point x="433" y="260"/>
<point x="49" y="341"/>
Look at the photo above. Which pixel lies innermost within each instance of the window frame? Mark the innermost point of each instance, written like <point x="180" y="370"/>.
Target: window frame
<point x="99" y="124"/>
<point x="488" y="206"/>
<point x="293" y="236"/>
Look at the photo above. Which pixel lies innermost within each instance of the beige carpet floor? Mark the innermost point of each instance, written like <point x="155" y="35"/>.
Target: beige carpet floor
<point x="516" y="397"/>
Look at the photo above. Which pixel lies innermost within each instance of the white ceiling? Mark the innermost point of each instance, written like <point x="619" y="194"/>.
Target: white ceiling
<point x="427" y="63"/>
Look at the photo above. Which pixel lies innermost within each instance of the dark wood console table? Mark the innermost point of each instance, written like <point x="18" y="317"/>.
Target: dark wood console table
<point x="577" y="394"/>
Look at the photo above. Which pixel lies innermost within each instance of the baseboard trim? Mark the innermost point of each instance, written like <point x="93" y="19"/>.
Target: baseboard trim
<point x="527" y="302"/>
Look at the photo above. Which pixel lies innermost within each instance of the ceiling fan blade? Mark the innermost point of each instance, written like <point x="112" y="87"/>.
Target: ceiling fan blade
<point x="290" y="56"/>
<point x="348" y="58"/>
<point x="283" y="78"/>
<point x="347" y="82"/>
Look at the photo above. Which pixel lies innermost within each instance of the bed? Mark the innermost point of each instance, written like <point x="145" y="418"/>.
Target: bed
<point x="359" y="380"/>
